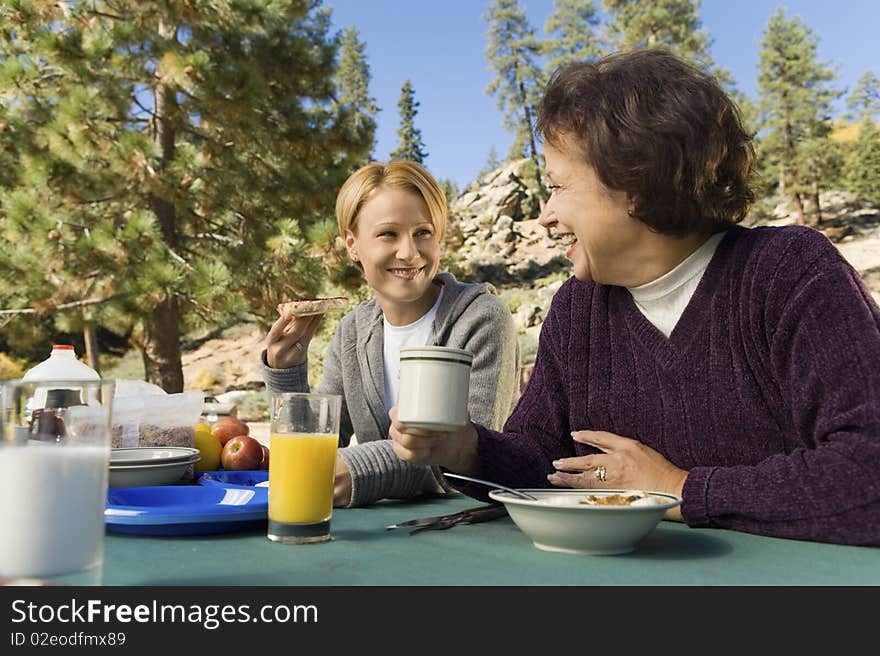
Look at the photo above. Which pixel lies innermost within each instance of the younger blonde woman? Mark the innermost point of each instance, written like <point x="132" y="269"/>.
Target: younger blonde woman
<point x="392" y="218"/>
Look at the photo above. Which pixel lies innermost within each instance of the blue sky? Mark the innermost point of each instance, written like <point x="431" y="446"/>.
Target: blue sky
<point x="440" y="46"/>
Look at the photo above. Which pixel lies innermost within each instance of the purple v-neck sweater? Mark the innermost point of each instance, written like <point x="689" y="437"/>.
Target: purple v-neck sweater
<point x="767" y="391"/>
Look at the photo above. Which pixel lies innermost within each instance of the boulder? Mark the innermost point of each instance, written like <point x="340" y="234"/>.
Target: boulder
<point x="498" y="219"/>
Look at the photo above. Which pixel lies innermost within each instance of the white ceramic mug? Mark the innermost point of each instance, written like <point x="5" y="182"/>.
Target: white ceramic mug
<point x="434" y="383"/>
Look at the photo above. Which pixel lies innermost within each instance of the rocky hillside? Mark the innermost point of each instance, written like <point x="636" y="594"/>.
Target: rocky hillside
<point x="495" y="232"/>
<point x="501" y="240"/>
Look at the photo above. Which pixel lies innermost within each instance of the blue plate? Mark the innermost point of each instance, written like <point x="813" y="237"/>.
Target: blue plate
<point x="185" y="509"/>
<point x="223" y="478"/>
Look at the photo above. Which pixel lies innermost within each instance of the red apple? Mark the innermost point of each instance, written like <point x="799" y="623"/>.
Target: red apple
<point x="265" y="463"/>
<point x="226" y="428"/>
<point x="241" y="452"/>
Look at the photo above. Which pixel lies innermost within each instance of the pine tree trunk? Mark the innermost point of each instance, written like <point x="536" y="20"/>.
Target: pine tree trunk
<point x="793" y="172"/>
<point x="798" y="209"/>
<point x="534" y="156"/>
<point x="161" y="349"/>
<point x="816" y="204"/>
<point x="533" y="150"/>
<point x="90" y="336"/>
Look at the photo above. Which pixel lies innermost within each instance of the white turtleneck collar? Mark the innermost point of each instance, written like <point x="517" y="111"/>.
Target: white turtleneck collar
<point x="663" y="300"/>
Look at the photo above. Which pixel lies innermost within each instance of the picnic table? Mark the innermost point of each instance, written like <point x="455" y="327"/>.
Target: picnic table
<point x="494" y="553"/>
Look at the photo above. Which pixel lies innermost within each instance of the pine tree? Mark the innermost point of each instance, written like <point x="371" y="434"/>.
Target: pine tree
<point x="410" y="145"/>
<point x="796" y="99"/>
<point x="512" y="52"/>
<point x="353" y="82"/>
<point x="671" y="23"/>
<point x="863" y="163"/>
<point x="161" y="161"/>
<point x="572" y="34"/>
<point x="674" y="24"/>
<point x="865" y="98"/>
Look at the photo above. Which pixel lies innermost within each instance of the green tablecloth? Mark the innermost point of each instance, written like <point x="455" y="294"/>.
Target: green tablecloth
<point x="493" y="553"/>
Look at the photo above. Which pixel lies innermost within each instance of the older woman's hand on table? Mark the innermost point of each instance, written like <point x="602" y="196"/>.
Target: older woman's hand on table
<point x="624" y="464"/>
<point x="455" y="451"/>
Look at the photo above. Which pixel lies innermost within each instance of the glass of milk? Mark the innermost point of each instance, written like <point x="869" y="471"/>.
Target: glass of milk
<point x="54" y="457"/>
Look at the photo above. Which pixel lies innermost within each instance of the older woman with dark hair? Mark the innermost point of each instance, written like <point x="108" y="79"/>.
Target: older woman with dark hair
<point x="738" y="368"/>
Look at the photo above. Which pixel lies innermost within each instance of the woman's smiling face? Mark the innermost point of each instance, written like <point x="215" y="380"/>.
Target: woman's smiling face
<point x="397" y="244"/>
<point x="592" y="221"/>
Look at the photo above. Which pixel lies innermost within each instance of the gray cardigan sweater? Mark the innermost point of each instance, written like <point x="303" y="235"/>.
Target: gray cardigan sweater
<point x="470" y="317"/>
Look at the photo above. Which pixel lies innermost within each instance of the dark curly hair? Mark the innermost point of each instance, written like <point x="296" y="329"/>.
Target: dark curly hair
<point x="660" y="130"/>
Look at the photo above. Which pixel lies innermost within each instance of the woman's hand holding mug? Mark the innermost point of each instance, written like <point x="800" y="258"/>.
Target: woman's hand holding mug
<point x="456" y="451"/>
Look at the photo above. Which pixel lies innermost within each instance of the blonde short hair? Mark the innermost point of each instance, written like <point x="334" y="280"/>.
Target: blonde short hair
<point x="398" y="174"/>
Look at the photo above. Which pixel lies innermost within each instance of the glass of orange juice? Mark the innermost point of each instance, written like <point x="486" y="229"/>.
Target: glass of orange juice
<point x="304" y="434"/>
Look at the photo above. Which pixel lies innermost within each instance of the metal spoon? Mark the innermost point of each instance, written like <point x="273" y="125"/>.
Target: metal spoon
<point x="518" y="493"/>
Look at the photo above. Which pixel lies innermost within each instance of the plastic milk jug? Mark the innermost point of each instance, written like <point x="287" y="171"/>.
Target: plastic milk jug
<point x="61" y="365"/>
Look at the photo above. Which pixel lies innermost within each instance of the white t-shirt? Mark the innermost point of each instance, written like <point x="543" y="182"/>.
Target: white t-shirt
<point x="663" y="300"/>
<point x="398" y="337"/>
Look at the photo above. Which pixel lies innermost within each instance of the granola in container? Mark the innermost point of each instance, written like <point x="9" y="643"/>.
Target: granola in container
<point x="160" y="420"/>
